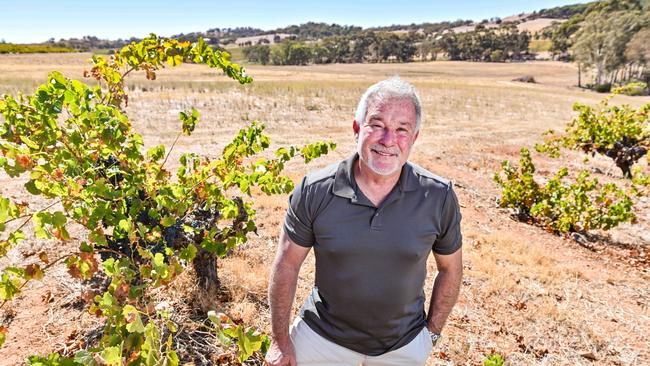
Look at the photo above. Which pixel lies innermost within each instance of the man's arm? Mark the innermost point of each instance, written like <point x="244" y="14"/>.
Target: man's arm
<point x="282" y="290"/>
<point x="445" y="289"/>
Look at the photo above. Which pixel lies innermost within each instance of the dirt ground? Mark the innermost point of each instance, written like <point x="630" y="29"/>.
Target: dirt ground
<point x="532" y="296"/>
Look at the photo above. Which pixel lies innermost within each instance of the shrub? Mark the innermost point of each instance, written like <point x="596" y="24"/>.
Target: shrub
<point x="632" y="89"/>
<point x="74" y="144"/>
<point x="561" y="206"/>
<point x="602" y="88"/>
<point x="618" y="132"/>
<point x="494" y="359"/>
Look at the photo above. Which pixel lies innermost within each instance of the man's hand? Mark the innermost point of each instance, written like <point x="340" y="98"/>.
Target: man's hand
<point x="281" y="355"/>
<point x="282" y="289"/>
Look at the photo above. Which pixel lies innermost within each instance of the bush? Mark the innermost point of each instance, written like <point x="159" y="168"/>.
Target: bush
<point x="561" y="206"/>
<point x="618" y="132"/>
<point x="602" y="88"/>
<point x="632" y="89"/>
<point x="494" y="359"/>
<point x="144" y="225"/>
<point x="496" y="56"/>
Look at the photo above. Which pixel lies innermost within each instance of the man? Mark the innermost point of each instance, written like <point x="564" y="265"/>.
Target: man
<point x="372" y="220"/>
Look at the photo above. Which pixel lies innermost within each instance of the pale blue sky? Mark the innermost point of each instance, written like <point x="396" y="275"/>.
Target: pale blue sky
<point x="38" y="20"/>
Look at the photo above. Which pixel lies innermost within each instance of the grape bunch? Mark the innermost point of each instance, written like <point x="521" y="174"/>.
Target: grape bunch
<point x="109" y="168"/>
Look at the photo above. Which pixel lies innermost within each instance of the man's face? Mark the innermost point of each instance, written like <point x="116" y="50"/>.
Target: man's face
<point x="385" y="137"/>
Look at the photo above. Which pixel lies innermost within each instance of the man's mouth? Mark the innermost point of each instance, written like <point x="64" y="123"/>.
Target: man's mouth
<point x="383" y="153"/>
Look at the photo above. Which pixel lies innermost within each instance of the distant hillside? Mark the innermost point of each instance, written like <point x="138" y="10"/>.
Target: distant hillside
<point x="523" y="24"/>
<point x="561" y="12"/>
<point x="312" y="30"/>
<point x="531" y="22"/>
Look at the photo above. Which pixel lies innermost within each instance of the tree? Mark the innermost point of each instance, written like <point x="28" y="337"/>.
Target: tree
<point x="278" y="55"/>
<point x="600" y="43"/>
<point x="259" y="53"/>
<point x="637" y="52"/>
<point x="320" y="54"/>
<point x="298" y="54"/>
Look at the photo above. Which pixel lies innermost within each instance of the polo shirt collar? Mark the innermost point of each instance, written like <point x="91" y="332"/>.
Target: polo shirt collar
<point x="345" y="186"/>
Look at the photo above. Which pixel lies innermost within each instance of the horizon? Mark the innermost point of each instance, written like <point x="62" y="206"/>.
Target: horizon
<point x="33" y="21"/>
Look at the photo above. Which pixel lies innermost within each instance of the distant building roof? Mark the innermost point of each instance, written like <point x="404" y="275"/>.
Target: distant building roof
<point x="256" y="39"/>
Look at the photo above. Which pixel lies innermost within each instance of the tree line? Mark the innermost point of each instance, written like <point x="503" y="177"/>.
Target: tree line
<point x="505" y="43"/>
<point x="485" y="44"/>
<point x="364" y="47"/>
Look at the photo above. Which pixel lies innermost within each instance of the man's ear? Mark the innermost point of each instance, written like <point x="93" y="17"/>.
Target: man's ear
<point x="355" y="127"/>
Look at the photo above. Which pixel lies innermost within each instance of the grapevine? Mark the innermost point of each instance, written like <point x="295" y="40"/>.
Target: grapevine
<point x="144" y="225"/>
<point x="561" y="206"/>
<point x="618" y="132"/>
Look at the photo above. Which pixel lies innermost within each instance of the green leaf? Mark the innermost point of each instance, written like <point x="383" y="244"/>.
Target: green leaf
<point x="171" y="326"/>
<point x="109" y="266"/>
<point x="156" y="153"/>
<point x="97" y="236"/>
<point x="126" y="225"/>
<point x="133" y="320"/>
<point x="189" y="120"/>
<point x="112" y="356"/>
<point x="31" y="187"/>
<point x="172" y="358"/>
<point x="85" y="247"/>
<point x="168" y="221"/>
<point x="16" y="237"/>
<point x="212" y="316"/>
<point x="29" y="142"/>
<point x="39" y="229"/>
<point x="189" y="252"/>
<point x="54" y="359"/>
<point x="85" y="358"/>
<point x="57" y="80"/>
<point x="8" y="287"/>
<point x="58" y="219"/>
<point x="4" y="210"/>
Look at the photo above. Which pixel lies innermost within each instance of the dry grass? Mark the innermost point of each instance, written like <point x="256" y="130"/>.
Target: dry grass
<point x="536" y="298"/>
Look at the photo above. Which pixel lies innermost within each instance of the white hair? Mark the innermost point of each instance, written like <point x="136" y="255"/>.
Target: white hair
<point x="392" y="88"/>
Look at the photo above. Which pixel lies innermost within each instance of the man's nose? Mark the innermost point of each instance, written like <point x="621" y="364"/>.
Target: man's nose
<point x="387" y="138"/>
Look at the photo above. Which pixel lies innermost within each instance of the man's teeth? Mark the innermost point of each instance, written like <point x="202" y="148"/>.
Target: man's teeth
<point x="383" y="153"/>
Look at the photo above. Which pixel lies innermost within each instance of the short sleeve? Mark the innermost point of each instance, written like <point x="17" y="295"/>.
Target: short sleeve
<point x="298" y="221"/>
<point x="450" y="238"/>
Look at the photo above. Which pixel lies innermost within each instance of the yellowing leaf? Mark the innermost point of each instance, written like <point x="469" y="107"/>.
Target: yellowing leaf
<point x="33" y="271"/>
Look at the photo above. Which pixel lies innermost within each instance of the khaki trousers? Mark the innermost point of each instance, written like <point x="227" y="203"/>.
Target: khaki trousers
<point x="314" y="350"/>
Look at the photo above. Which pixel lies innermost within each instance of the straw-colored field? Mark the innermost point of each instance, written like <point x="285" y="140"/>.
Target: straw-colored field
<point x="534" y="297"/>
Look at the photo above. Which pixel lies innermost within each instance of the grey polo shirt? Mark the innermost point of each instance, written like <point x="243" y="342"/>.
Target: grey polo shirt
<point x="371" y="261"/>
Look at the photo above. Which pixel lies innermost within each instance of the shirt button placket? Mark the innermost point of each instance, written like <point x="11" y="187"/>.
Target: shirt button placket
<point x="375" y="222"/>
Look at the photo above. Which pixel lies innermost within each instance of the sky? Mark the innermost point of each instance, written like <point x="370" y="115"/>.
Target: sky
<point x="34" y="21"/>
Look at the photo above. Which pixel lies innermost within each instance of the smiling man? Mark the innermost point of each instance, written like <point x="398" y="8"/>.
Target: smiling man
<point x="372" y="220"/>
